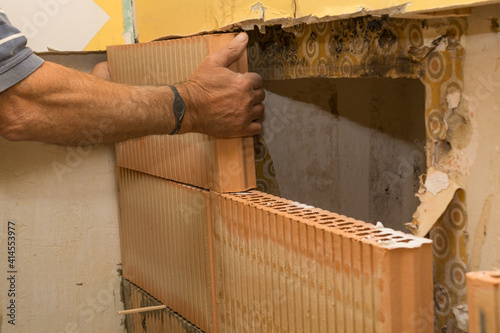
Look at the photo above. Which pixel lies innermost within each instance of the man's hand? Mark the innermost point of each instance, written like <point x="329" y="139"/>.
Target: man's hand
<point x="59" y="105"/>
<point x="220" y="102"/>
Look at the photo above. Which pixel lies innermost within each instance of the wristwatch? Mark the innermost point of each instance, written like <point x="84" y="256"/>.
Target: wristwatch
<point x="179" y="109"/>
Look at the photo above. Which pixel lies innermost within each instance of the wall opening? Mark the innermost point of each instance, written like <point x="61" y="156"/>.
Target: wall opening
<point x="351" y="146"/>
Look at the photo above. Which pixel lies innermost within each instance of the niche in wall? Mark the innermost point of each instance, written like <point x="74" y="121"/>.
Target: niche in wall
<point x="351" y="146"/>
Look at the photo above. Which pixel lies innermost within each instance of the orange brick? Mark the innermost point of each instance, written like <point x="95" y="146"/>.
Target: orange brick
<point x="165" y="243"/>
<point x="319" y="264"/>
<point x="483" y="294"/>
<point x="222" y="165"/>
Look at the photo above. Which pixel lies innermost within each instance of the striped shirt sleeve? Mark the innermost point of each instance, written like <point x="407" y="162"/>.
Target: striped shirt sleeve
<point x="17" y="61"/>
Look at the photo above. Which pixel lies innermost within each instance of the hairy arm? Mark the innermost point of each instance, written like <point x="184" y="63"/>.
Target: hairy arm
<point x="60" y="105"/>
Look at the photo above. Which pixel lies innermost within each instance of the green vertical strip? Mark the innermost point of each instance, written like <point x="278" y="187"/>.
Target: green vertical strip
<point x="129" y="22"/>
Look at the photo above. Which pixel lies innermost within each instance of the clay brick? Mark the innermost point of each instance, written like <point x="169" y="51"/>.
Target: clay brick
<point x="316" y="270"/>
<point x="483" y="298"/>
<point x="222" y="165"/>
<point x="165" y="243"/>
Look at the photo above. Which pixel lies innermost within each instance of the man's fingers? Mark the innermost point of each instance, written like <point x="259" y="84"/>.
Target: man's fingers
<point x="230" y="52"/>
<point x="259" y="96"/>
<point x="254" y="128"/>
<point x="255" y="79"/>
<point x="258" y="112"/>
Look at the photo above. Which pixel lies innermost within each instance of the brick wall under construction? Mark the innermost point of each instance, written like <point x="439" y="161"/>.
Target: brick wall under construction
<point x="249" y="261"/>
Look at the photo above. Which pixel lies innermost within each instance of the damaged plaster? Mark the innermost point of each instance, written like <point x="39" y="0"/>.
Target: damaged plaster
<point x="480" y="235"/>
<point x="431" y="50"/>
<point x="259" y="8"/>
<point x="436" y="182"/>
<point x="435" y="194"/>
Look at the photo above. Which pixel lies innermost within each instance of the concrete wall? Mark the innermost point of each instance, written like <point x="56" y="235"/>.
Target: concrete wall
<point x="63" y="204"/>
<point x="352" y="146"/>
<point x="482" y="89"/>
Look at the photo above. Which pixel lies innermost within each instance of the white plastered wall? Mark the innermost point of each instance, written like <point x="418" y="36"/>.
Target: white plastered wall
<point x="482" y="89"/>
<point x="63" y="204"/>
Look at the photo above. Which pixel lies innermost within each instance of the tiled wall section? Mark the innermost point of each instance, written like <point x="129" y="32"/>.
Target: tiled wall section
<point x="276" y="265"/>
<point x="223" y="165"/>
<point x="154" y="321"/>
<point x="484" y="301"/>
<point x="429" y="50"/>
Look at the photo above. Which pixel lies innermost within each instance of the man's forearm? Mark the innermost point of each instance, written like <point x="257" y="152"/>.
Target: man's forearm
<point x="59" y="105"/>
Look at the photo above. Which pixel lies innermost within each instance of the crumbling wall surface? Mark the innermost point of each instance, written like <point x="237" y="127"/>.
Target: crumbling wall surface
<point x="433" y="51"/>
<point x="62" y="205"/>
<point x="482" y="89"/>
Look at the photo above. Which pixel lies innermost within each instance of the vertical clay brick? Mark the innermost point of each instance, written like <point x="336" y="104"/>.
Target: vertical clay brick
<point x="483" y="294"/>
<point x="166" y="243"/>
<point x="402" y="285"/>
<point x="222" y="165"/>
<point x="338" y="274"/>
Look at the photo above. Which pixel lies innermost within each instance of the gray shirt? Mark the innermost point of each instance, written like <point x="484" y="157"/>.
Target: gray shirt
<point x="17" y="61"/>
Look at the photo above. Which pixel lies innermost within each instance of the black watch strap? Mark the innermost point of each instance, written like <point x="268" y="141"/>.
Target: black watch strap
<point x="179" y="109"/>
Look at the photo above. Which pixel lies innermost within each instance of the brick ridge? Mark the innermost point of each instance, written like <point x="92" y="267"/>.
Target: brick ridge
<point x="329" y="221"/>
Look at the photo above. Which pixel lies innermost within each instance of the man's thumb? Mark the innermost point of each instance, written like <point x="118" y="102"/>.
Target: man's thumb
<point x="230" y="52"/>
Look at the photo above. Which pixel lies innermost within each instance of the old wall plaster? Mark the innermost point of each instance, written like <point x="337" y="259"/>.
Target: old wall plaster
<point x="429" y="50"/>
<point x="63" y="202"/>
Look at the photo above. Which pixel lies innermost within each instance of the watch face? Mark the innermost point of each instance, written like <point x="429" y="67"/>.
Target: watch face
<point x="179" y="107"/>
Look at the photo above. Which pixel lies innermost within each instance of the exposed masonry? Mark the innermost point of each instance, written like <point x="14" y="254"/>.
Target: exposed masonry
<point x="298" y="268"/>
<point x="302" y="269"/>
